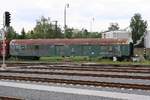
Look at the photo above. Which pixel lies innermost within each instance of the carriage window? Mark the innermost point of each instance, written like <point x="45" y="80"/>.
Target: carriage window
<point x="36" y="47"/>
<point x="103" y="48"/>
<point x="22" y="47"/>
<point x="52" y="46"/>
<point x="110" y="48"/>
<point x="66" y="46"/>
<point x="106" y="48"/>
<point x="17" y="47"/>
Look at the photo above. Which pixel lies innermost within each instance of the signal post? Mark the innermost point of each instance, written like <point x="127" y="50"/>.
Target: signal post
<point x="6" y="24"/>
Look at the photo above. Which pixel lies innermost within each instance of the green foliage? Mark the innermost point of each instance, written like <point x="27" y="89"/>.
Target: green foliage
<point x="23" y="34"/>
<point x="69" y="33"/>
<point x="29" y="34"/>
<point x="45" y="29"/>
<point x="96" y="60"/>
<point x="138" y="27"/>
<point x="85" y="34"/>
<point x="95" y="35"/>
<point x="11" y="34"/>
<point x="113" y="27"/>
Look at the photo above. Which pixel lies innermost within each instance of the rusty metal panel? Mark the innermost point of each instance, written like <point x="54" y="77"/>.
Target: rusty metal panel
<point x="76" y="50"/>
<point x="125" y="50"/>
<point x="70" y="41"/>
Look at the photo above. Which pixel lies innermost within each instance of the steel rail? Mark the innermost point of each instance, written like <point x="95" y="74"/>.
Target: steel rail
<point x="76" y="74"/>
<point x="78" y="82"/>
<point x="90" y="69"/>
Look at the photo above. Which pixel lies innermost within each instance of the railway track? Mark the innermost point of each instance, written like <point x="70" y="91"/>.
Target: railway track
<point x="72" y="63"/>
<point x="75" y="74"/>
<point x="78" y="82"/>
<point x="25" y="70"/>
<point x="102" y="69"/>
<point x="86" y="67"/>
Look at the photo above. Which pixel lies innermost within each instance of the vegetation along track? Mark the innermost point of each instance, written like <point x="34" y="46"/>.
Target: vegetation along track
<point x="80" y="65"/>
<point x="78" y="82"/>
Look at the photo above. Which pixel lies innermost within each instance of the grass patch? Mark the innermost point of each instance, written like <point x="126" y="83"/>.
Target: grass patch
<point x="81" y="59"/>
<point x="65" y="59"/>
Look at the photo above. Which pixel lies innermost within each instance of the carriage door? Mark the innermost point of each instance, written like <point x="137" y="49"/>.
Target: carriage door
<point x="60" y="50"/>
<point x="116" y="51"/>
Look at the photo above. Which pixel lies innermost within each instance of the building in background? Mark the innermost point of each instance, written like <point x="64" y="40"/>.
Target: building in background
<point x="147" y="39"/>
<point x="118" y="34"/>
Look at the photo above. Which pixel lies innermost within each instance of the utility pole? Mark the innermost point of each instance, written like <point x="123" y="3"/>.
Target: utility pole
<point x="65" y="26"/>
<point x="91" y="24"/>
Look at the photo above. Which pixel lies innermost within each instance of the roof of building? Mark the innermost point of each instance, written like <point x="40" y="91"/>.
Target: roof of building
<point x="117" y="31"/>
<point x="91" y="41"/>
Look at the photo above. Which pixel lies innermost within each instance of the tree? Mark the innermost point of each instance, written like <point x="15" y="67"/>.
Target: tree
<point x="138" y="27"/>
<point x="113" y="26"/>
<point x="23" y="34"/>
<point x="45" y="29"/>
<point x="42" y="29"/>
<point x="69" y="33"/>
<point x="85" y="33"/>
<point x="95" y="35"/>
<point x="11" y="34"/>
<point x="29" y="34"/>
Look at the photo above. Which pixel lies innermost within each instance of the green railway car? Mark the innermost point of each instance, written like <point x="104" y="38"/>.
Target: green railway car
<point x="70" y="47"/>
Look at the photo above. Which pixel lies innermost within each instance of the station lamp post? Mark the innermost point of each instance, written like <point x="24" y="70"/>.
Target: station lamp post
<point x="65" y="26"/>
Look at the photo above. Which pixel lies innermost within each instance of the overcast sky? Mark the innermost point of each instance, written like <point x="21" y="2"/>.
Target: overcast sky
<point x="80" y="13"/>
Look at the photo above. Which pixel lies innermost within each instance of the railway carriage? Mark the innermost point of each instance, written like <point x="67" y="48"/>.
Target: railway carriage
<point x="36" y="48"/>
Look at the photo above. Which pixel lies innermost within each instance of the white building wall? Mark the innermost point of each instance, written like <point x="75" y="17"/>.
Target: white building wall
<point x="119" y="34"/>
<point x="147" y="39"/>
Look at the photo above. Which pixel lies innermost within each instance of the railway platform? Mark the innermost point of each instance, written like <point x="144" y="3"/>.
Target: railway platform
<point x="30" y="91"/>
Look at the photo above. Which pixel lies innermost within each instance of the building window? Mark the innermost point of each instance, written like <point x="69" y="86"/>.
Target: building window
<point x="104" y="35"/>
<point x="115" y="35"/>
